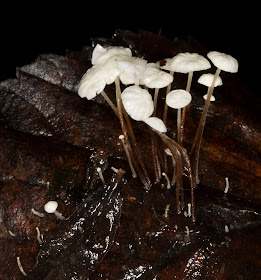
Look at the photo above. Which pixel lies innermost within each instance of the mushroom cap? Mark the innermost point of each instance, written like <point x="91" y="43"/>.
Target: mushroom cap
<point x="178" y="98"/>
<point x="189" y="62"/>
<point x="50" y="206"/>
<point x="156" y="124"/>
<point x="95" y="79"/>
<point x="131" y="68"/>
<point x="137" y="102"/>
<point x="207" y="79"/>
<point x="168" y="152"/>
<point x="101" y="54"/>
<point x="164" y="64"/>
<point x="153" y="77"/>
<point x="92" y="83"/>
<point x="212" y="98"/>
<point x="223" y="61"/>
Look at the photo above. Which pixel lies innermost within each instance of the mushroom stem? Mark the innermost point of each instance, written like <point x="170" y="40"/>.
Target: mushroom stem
<point x="190" y="75"/>
<point x="100" y="175"/>
<point x="179" y="126"/>
<point x="174" y="147"/>
<point x="156" y="93"/>
<point x="199" y="133"/>
<point x="134" y="174"/>
<point x="155" y="157"/>
<point x="165" y="113"/>
<point x="59" y="215"/>
<point x="136" y="147"/>
<point x="167" y="179"/>
<point x="106" y="97"/>
<point x="125" y="133"/>
<point x="20" y="266"/>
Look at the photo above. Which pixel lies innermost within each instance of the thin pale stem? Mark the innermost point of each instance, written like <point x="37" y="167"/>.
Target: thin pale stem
<point x="201" y="126"/>
<point x="125" y="133"/>
<point x="134" y="174"/>
<point x="190" y="75"/>
<point x="174" y="147"/>
<point x="155" y="157"/>
<point x="136" y="147"/>
<point x="106" y="97"/>
<point x="156" y="93"/>
<point x="179" y="125"/>
<point x="165" y="113"/>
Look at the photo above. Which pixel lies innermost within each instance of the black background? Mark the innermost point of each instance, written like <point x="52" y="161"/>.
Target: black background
<point x="28" y="31"/>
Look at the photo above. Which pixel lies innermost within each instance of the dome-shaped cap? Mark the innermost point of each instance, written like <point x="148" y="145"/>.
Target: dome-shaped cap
<point x="189" y="62"/>
<point x="153" y="77"/>
<point x="92" y="83"/>
<point x="137" y="102"/>
<point x="101" y="54"/>
<point x="223" y="61"/>
<point x="178" y="98"/>
<point x="156" y="124"/>
<point x="131" y="68"/>
<point x="207" y="79"/>
<point x="50" y="206"/>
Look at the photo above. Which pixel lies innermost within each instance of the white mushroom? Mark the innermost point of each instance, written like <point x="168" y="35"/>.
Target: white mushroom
<point x="222" y="62"/>
<point x="154" y="77"/>
<point x="156" y="124"/>
<point x="132" y="69"/>
<point x="137" y="103"/>
<point x="178" y="99"/>
<point x="99" y="171"/>
<point x="51" y="206"/>
<point x="94" y="81"/>
<point x="101" y="54"/>
<point x="188" y="63"/>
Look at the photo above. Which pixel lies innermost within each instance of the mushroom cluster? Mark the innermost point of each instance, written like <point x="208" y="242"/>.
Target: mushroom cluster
<point x="134" y="78"/>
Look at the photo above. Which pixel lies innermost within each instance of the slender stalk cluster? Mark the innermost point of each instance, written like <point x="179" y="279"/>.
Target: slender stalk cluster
<point x="137" y="77"/>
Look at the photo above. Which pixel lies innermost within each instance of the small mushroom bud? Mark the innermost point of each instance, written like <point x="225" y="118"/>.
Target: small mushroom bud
<point x="100" y="175"/>
<point x="50" y="207"/>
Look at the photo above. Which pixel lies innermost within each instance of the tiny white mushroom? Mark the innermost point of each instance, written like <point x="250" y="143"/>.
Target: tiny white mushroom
<point x="154" y="77"/>
<point x="227" y="185"/>
<point x="137" y="102"/>
<point x="20" y="266"/>
<point x="167" y="179"/>
<point x="166" y="213"/>
<point x="134" y="174"/>
<point x="178" y="99"/>
<point x="39" y="214"/>
<point x="222" y="62"/>
<point x="212" y="98"/>
<point x="100" y="175"/>
<point x="156" y="124"/>
<point x="38" y="236"/>
<point x="188" y="63"/>
<point x="101" y="54"/>
<point x="226" y="228"/>
<point x="132" y="69"/>
<point x="51" y="206"/>
<point x="206" y="80"/>
<point x="11" y="233"/>
<point x="189" y="209"/>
